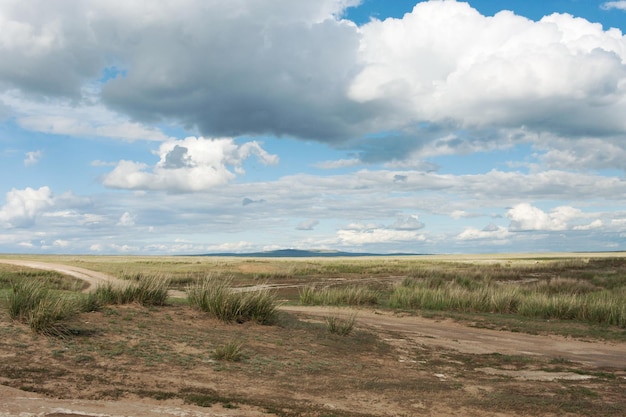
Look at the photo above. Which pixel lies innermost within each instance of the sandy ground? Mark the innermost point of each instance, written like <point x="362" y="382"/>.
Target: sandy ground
<point x="394" y="328"/>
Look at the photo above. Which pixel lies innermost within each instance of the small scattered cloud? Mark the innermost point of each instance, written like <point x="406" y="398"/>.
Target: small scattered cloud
<point x="98" y="163"/>
<point x="408" y="223"/>
<point x="307" y="224"/>
<point x="610" y="5"/>
<point x="126" y="220"/>
<point x="33" y="158"/>
<point x="489" y="232"/>
<point x="339" y="163"/>
<point x="247" y="201"/>
<point x="356" y="234"/>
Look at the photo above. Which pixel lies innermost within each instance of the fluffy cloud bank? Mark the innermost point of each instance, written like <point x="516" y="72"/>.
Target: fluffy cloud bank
<point x="295" y="68"/>
<point x="191" y="164"/>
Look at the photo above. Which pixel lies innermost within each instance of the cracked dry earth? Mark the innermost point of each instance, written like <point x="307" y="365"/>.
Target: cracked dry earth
<point x="135" y="361"/>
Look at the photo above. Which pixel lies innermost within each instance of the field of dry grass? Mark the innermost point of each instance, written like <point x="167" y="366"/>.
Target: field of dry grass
<point x="175" y="357"/>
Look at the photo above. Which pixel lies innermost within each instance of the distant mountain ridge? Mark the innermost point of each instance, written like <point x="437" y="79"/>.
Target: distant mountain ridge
<point x="299" y="253"/>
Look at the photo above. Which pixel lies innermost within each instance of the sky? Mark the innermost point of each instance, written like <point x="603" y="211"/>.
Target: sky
<point x="159" y="127"/>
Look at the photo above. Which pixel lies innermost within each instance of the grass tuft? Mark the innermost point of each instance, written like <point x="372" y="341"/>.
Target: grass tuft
<point x="214" y="296"/>
<point x="33" y="303"/>
<point x="230" y="352"/>
<point x="340" y="326"/>
<point x="345" y="296"/>
<point x="150" y="290"/>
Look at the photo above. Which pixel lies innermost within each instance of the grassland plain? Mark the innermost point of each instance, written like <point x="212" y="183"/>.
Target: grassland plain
<point x="163" y="360"/>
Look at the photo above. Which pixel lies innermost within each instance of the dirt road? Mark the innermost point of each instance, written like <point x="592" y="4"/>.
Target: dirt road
<point x="92" y="278"/>
<point x="451" y="335"/>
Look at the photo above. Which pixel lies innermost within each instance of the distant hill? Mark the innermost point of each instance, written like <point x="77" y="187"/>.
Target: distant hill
<point x="298" y="253"/>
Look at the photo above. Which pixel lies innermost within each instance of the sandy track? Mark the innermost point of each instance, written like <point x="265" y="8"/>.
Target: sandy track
<point x="450" y="335"/>
<point x="92" y="278"/>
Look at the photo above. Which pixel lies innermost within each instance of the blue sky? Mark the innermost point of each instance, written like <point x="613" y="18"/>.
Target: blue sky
<point x="167" y="127"/>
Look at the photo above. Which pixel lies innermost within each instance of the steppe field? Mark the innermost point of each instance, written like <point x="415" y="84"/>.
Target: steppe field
<point x="505" y="335"/>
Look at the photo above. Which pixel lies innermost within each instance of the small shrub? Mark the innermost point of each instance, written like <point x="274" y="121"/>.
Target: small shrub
<point x="231" y="352"/>
<point x="340" y="326"/>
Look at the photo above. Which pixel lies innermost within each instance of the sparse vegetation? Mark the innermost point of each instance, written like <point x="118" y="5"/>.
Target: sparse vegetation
<point x="150" y="290"/>
<point x="120" y="338"/>
<point x="230" y="351"/>
<point x="338" y="296"/>
<point x="33" y="303"/>
<point x="340" y="326"/>
<point x="216" y="297"/>
<point x="554" y="299"/>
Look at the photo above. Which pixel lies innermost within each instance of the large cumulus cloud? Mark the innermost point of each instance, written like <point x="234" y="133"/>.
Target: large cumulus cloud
<point x="442" y="75"/>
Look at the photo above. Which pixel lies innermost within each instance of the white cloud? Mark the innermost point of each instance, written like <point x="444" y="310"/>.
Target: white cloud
<point x="525" y="217"/>
<point x="340" y="163"/>
<point x="408" y="223"/>
<point x="32" y="158"/>
<point x="191" y="164"/>
<point x="491" y="232"/>
<point x="307" y="224"/>
<point x="60" y="243"/>
<point x="356" y="234"/>
<point x="596" y="224"/>
<point x="445" y="63"/>
<point x="621" y="5"/>
<point x="126" y="220"/>
<point x="22" y="207"/>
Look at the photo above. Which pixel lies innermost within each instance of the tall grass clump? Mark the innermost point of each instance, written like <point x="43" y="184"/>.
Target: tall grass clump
<point x="216" y="297"/>
<point x="561" y="299"/>
<point x="231" y="352"/>
<point x="24" y="296"/>
<point x="340" y="326"/>
<point x="31" y="302"/>
<point x="352" y="296"/>
<point x="148" y="290"/>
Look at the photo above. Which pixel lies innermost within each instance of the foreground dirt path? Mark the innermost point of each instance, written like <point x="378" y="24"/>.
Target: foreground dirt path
<point x="92" y="278"/>
<point x="451" y="335"/>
